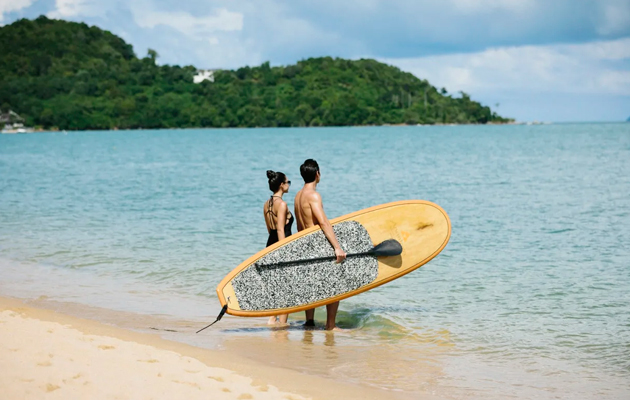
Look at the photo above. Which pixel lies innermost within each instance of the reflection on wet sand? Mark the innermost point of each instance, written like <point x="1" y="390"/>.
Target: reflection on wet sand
<point x="405" y="362"/>
<point x="279" y="335"/>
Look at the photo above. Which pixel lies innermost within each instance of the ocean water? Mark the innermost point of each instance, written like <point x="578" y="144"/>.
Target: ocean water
<point x="530" y="298"/>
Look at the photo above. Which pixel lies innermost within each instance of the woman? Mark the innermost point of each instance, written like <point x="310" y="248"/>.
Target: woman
<point x="278" y="218"/>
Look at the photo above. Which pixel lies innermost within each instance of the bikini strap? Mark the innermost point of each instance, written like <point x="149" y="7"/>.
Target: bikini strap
<point x="270" y="211"/>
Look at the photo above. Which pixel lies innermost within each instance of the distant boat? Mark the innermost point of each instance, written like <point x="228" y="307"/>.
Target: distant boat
<point x="14" y="130"/>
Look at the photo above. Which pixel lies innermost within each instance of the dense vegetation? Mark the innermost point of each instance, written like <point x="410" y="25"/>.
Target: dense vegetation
<point x="73" y="76"/>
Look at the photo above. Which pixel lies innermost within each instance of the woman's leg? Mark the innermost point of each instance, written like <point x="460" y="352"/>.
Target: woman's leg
<point x="331" y="315"/>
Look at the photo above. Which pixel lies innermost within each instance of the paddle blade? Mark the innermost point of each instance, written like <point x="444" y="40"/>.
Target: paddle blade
<point x="389" y="247"/>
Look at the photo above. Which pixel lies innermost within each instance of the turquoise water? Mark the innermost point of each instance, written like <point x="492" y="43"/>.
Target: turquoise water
<point x="531" y="297"/>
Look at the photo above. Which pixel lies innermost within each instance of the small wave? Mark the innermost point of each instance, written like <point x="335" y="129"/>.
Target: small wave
<point x="561" y="230"/>
<point x="372" y="322"/>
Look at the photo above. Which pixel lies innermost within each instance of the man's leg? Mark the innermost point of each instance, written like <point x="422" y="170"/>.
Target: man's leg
<point x="331" y="315"/>
<point x="310" y="317"/>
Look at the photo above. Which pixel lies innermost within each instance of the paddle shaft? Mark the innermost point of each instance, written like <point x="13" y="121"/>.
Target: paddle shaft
<point x="327" y="258"/>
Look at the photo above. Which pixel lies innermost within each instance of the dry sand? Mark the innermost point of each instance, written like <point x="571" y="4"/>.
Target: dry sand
<point x="45" y="354"/>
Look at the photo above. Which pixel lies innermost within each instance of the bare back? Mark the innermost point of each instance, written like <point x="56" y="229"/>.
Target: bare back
<point x="303" y="211"/>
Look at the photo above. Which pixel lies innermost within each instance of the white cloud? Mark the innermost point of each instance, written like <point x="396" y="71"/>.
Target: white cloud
<point x="182" y="34"/>
<point x="613" y="50"/>
<point x="614" y="82"/>
<point x="487" y="5"/>
<point x="7" y="6"/>
<point x="147" y="16"/>
<point x="190" y="25"/>
<point x="593" y="68"/>
<point x="616" y="17"/>
<point x="74" y="8"/>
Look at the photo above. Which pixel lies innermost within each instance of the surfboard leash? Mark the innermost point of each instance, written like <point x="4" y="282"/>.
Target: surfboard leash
<point x="221" y="314"/>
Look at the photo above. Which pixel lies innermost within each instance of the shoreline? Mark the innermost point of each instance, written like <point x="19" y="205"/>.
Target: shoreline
<point x="515" y="123"/>
<point x="115" y="129"/>
<point x="29" y="332"/>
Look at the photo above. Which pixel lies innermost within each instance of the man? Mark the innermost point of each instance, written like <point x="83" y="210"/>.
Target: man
<point x="309" y="211"/>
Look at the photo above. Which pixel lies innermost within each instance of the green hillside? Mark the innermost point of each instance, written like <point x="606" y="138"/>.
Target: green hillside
<point x="74" y="76"/>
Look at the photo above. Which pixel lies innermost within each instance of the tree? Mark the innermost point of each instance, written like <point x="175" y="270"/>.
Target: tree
<point x="153" y="55"/>
<point x="73" y="76"/>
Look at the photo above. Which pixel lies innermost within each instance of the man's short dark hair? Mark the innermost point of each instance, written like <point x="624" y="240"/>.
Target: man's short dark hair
<point x="309" y="170"/>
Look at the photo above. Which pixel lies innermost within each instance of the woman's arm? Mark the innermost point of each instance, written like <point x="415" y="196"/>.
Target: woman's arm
<point x="265" y="217"/>
<point x="282" y="220"/>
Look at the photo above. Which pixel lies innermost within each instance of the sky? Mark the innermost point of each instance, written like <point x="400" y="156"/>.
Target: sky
<point x="532" y="60"/>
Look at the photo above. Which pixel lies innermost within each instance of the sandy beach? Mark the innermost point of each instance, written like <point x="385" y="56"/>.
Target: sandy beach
<point x="46" y="354"/>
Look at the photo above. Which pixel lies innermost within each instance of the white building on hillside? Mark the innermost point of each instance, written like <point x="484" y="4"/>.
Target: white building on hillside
<point x="204" y="75"/>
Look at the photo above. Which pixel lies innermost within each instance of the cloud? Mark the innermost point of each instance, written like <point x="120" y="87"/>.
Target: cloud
<point x="615" y="17"/>
<point x="486" y="5"/>
<point x="75" y="8"/>
<point x="206" y="34"/>
<point x="8" y="6"/>
<point x="283" y="31"/>
<point x="591" y="68"/>
<point x="409" y="28"/>
<point x="147" y="15"/>
<point x="188" y="24"/>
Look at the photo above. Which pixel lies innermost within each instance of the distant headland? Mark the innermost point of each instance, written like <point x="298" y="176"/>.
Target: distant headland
<point x="66" y="75"/>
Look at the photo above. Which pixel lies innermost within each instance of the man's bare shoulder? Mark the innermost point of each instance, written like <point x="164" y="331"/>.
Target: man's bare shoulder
<point x="312" y="196"/>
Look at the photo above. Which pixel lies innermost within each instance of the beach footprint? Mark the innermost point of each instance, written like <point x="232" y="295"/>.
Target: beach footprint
<point x="51" y="388"/>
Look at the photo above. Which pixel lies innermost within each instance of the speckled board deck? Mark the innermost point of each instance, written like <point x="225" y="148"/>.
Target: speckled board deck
<point x="270" y="286"/>
<point x="258" y="287"/>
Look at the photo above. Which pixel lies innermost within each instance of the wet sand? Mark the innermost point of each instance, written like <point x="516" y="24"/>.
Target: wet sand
<point x="47" y="353"/>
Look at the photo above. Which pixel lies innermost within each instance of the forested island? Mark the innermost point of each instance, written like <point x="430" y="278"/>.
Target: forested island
<point x="65" y="75"/>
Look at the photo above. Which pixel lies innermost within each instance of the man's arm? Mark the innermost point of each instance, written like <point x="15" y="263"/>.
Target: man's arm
<point x="297" y="218"/>
<point x="315" y="201"/>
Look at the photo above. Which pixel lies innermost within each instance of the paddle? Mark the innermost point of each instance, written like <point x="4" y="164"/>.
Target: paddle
<point x="387" y="248"/>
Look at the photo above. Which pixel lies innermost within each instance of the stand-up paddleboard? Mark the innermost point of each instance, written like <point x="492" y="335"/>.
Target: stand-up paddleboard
<point x="277" y="280"/>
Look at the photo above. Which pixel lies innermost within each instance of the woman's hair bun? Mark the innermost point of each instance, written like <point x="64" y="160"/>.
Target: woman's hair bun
<point x="275" y="180"/>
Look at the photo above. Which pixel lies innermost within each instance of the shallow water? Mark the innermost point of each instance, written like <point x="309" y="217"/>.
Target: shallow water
<point x="531" y="297"/>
